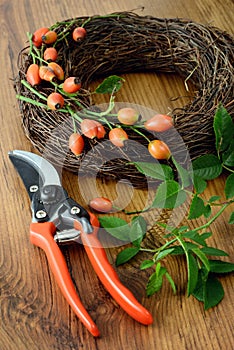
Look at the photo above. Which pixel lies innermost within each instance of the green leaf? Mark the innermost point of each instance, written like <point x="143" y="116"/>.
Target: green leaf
<point x="189" y="246"/>
<point x="201" y="255"/>
<point x="207" y="211"/>
<point x="138" y="230"/>
<point x="213" y="251"/>
<point x="223" y="128"/>
<point x="156" y="280"/>
<point x="154" y="284"/>
<point x="219" y="266"/>
<point x="164" y="253"/>
<point x="194" y="235"/>
<point x="228" y="155"/>
<point x="177" y="250"/>
<point x="229" y="186"/>
<point x="169" y="195"/>
<point x="117" y="227"/>
<point x="171" y="281"/>
<point x="214" y="199"/>
<point x="126" y="255"/>
<point x="192" y="269"/>
<point x="109" y="85"/>
<point x="183" y="173"/>
<point x="155" y="170"/>
<point x="206" y="235"/>
<point x="197" y="208"/>
<point x="146" y="264"/>
<point x="231" y="219"/>
<point x="213" y="292"/>
<point x="199" y="184"/>
<point x="207" y="167"/>
<point x="199" y="290"/>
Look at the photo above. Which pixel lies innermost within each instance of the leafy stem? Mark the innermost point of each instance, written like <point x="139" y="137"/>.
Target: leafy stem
<point x="207" y="225"/>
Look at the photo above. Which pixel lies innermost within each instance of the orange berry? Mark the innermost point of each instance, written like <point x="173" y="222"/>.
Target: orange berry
<point x="101" y="204"/>
<point x="76" y="143"/>
<point x="32" y="75"/>
<point x="55" y="101"/>
<point x="79" y="33"/>
<point x="128" y="116"/>
<point x="46" y="73"/>
<point x="101" y="132"/>
<point x="49" y="37"/>
<point x="37" y="36"/>
<point x="89" y="128"/>
<point x="50" y="54"/>
<point x="159" y="123"/>
<point x="71" y="84"/>
<point x="159" y="149"/>
<point x="117" y="136"/>
<point x="57" y="69"/>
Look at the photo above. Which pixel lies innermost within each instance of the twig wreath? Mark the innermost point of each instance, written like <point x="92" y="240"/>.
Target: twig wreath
<point x="125" y="42"/>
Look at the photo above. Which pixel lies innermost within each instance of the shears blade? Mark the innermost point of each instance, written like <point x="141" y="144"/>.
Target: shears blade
<point x="34" y="170"/>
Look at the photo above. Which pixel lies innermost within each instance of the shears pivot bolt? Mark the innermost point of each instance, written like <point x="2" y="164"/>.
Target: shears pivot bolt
<point x="33" y="188"/>
<point x="40" y="214"/>
<point x="75" y="210"/>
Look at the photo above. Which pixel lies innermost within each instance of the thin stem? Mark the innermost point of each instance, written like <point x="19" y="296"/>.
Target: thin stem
<point x="213" y="218"/>
<point x="227" y="168"/>
<point x="140" y="133"/>
<point x="35" y="92"/>
<point x="29" y="100"/>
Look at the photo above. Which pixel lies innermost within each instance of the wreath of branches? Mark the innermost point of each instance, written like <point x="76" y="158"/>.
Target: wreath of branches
<point x="125" y="42"/>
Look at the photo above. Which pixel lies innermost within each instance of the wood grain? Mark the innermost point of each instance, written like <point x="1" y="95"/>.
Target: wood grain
<point x="34" y="314"/>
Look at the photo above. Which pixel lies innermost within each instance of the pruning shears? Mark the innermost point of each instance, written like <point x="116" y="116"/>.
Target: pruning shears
<point x="58" y="219"/>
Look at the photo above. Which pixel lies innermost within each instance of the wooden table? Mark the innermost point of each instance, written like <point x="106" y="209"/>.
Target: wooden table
<point x="34" y="314"/>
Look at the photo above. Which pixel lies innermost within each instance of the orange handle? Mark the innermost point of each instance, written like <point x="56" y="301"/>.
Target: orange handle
<point x="109" y="277"/>
<point x="41" y="235"/>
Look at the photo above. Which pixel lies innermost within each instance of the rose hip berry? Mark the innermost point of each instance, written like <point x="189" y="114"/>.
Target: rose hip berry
<point x="117" y="136"/>
<point x="32" y="75"/>
<point x="71" y="85"/>
<point x="159" y="149"/>
<point x="55" y="101"/>
<point x="37" y="36"/>
<point x="46" y="73"/>
<point x="79" y="33"/>
<point x="128" y="116"/>
<point x="159" y="123"/>
<point x="57" y="69"/>
<point x="50" y="54"/>
<point x="101" y="204"/>
<point x="49" y="37"/>
<point x="76" y="143"/>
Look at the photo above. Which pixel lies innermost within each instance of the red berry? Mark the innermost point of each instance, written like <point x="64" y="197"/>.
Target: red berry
<point x="71" y="84"/>
<point x="46" y="73"/>
<point x="49" y="37"/>
<point x="76" y="143"/>
<point x="79" y="33"/>
<point x="128" y="116"/>
<point x="55" y="101"/>
<point x="117" y="136"/>
<point x="101" y="132"/>
<point x="57" y="69"/>
<point x="101" y="204"/>
<point x="159" y="150"/>
<point x="159" y="123"/>
<point x="32" y="74"/>
<point x="37" y="36"/>
<point x="89" y="128"/>
<point x="50" y="54"/>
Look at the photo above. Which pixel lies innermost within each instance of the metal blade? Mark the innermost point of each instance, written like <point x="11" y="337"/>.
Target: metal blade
<point x="34" y="170"/>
